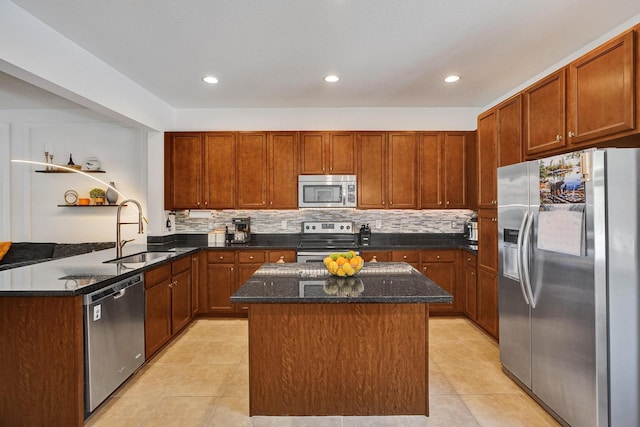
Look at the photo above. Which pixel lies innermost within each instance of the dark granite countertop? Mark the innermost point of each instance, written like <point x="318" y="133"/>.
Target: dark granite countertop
<point x="80" y="274"/>
<point x="83" y="274"/>
<point x="382" y="282"/>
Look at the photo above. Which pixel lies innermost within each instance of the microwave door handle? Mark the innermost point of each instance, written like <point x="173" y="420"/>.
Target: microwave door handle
<point x="342" y="196"/>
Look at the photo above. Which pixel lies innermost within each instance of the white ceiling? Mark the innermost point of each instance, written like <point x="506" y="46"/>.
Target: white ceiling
<point x="275" y="53"/>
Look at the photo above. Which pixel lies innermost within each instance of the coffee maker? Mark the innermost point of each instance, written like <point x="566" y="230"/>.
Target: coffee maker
<point x="242" y="230"/>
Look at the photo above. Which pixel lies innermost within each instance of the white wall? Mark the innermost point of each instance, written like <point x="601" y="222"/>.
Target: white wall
<point x="29" y="202"/>
<point x="327" y="119"/>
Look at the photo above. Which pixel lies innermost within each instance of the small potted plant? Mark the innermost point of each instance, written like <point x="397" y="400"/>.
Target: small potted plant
<point x="97" y="194"/>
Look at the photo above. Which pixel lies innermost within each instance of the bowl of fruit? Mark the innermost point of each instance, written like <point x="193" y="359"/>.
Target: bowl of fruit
<point x="343" y="264"/>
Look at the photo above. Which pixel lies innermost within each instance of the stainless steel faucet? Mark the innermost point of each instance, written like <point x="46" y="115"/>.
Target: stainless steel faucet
<point x="120" y="243"/>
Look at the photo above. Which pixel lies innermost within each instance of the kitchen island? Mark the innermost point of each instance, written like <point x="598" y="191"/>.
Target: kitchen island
<point x="325" y="345"/>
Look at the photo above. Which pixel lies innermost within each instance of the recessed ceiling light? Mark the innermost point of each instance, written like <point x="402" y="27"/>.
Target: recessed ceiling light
<point x="210" y="79"/>
<point x="451" y="79"/>
<point x="331" y="78"/>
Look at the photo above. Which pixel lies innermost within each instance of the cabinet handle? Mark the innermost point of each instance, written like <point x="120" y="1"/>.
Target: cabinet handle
<point x="221" y="257"/>
<point x="437" y="256"/>
<point x="447" y="202"/>
<point x="439" y="202"/>
<point x="473" y="273"/>
<point x="571" y="134"/>
<point x="206" y="203"/>
<point x="558" y="138"/>
<point x="390" y="203"/>
<point x="251" y="257"/>
<point x="405" y="257"/>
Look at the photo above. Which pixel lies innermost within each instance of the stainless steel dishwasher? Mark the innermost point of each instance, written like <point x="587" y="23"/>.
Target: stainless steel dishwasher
<point x="113" y="337"/>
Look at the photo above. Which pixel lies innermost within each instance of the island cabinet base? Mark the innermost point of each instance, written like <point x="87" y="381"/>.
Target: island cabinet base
<point x="338" y="359"/>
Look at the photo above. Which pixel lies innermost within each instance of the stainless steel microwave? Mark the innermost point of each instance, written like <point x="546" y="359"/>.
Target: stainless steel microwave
<point x="327" y="191"/>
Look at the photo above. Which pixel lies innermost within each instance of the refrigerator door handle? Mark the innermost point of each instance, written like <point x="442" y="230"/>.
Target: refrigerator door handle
<point x="525" y="260"/>
<point x="519" y="260"/>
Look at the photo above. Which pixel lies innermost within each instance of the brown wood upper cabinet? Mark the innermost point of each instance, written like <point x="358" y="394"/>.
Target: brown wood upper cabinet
<point x="327" y="153"/>
<point x="267" y="168"/>
<point x="544" y="114"/>
<point x="444" y="161"/>
<point x="387" y="170"/>
<point x="601" y="91"/>
<point x="487" y="145"/>
<point x="199" y="170"/>
<point x="509" y="131"/>
<point x="589" y="102"/>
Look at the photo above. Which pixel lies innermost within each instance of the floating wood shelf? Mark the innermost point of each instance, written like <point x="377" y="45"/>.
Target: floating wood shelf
<point x="64" y="171"/>
<point x="88" y="206"/>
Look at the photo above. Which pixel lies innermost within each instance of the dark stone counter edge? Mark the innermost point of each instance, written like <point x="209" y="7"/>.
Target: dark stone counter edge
<point x="199" y="242"/>
<point x="345" y="300"/>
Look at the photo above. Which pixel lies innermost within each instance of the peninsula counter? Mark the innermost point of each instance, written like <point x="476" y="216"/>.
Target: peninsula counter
<point x="322" y="345"/>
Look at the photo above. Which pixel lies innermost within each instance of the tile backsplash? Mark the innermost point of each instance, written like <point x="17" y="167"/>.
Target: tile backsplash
<point x="290" y="221"/>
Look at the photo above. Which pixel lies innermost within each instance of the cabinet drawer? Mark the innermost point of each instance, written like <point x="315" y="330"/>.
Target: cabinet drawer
<point x="220" y="257"/>
<point x="405" y="256"/>
<point x="470" y="259"/>
<point x="381" y="256"/>
<point x="286" y="255"/>
<point x="251" y="257"/>
<point x="157" y="276"/>
<point x="180" y="265"/>
<point x="438" y="256"/>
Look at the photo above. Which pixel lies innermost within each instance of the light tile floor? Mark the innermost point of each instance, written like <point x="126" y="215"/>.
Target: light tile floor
<point x="201" y="379"/>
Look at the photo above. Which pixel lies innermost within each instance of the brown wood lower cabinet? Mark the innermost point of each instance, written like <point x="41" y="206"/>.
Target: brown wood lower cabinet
<point x="167" y="303"/>
<point x="488" y="302"/>
<point x="470" y="286"/>
<point x="440" y="266"/>
<point x="228" y="270"/>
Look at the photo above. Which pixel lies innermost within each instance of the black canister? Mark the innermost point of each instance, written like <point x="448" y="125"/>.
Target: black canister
<point x="365" y="235"/>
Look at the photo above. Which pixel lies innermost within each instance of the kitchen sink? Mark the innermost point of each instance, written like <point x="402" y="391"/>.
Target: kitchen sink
<point x="142" y="257"/>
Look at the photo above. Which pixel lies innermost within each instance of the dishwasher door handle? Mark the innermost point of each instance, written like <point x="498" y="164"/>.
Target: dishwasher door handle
<point x="119" y="294"/>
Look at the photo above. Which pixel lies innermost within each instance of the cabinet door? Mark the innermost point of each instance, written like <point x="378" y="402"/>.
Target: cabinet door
<point x="488" y="302"/>
<point x="488" y="240"/>
<point x="195" y="284"/>
<point x="183" y="171"/>
<point x="251" y="170"/>
<point x="220" y="170"/>
<point x="455" y="170"/>
<point x="157" y="322"/>
<point x="245" y="271"/>
<point x="221" y="283"/>
<point x="283" y="152"/>
<point x="487" y="164"/>
<point x="402" y="171"/>
<point x="470" y="286"/>
<point x="372" y="177"/>
<point x="430" y="167"/>
<point x="601" y="91"/>
<point x="312" y="153"/>
<point x="509" y="128"/>
<point x="444" y="275"/>
<point x="341" y="149"/>
<point x="180" y="300"/>
<point x="544" y="114"/>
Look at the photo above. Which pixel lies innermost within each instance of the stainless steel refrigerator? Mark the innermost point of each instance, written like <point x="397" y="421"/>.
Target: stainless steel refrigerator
<point x="569" y="283"/>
